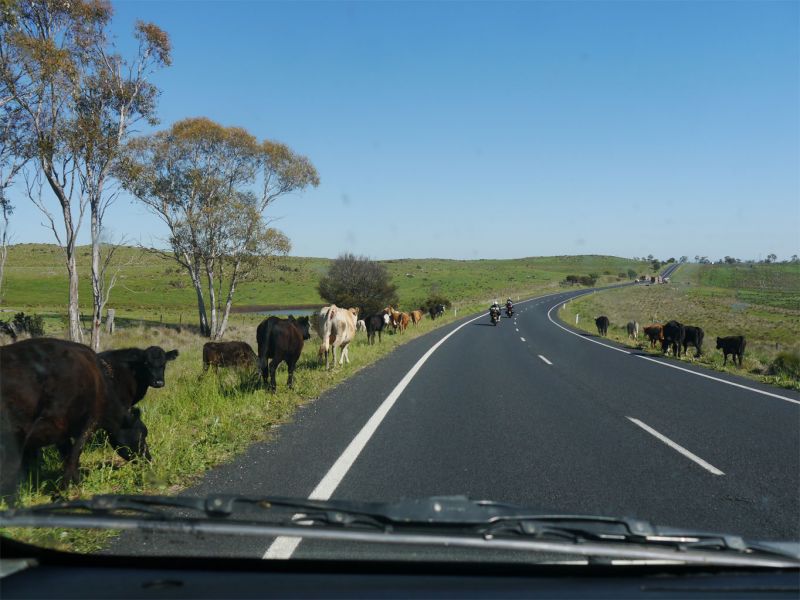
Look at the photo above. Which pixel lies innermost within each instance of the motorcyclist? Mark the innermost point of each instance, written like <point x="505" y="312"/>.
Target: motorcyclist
<point x="509" y="304"/>
<point x="494" y="309"/>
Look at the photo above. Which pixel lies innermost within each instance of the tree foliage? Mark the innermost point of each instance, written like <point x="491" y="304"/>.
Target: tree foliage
<point x="357" y="281"/>
<point x="210" y="185"/>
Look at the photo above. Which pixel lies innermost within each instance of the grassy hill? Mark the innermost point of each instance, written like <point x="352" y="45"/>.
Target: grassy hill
<point x="151" y="286"/>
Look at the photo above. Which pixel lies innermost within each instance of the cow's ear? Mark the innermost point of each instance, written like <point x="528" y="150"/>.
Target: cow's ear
<point x="172" y="355"/>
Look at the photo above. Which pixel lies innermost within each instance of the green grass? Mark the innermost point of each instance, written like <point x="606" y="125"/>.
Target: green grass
<point x="770" y="319"/>
<point x="196" y="423"/>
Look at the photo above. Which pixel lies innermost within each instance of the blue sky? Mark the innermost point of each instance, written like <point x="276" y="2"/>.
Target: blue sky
<point x="503" y="129"/>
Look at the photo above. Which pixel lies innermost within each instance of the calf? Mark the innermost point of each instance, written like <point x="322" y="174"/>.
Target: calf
<point x="280" y="340"/>
<point x="228" y="354"/>
<point x="375" y="324"/>
<point x="54" y="392"/>
<point x="131" y="371"/>
<point x="654" y="333"/>
<point x="694" y="336"/>
<point x="674" y="333"/>
<point x="733" y="344"/>
<point x="633" y="329"/>
<point x="436" y="311"/>
<point x="602" y="325"/>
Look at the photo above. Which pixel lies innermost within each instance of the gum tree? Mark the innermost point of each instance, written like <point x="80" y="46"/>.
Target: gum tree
<point x="210" y="185"/>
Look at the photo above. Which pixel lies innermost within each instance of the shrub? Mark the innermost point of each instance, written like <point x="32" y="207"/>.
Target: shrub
<point x="32" y="325"/>
<point x="357" y="281"/>
<point x="435" y="300"/>
<point x="786" y="364"/>
<point x="631" y="274"/>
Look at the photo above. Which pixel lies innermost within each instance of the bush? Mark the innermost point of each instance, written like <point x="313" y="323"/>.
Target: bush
<point x="786" y="364"/>
<point x="357" y="281"/>
<point x="622" y="275"/>
<point x="435" y="300"/>
<point x="588" y="280"/>
<point x="631" y="274"/>
<point x="32" y="325"/>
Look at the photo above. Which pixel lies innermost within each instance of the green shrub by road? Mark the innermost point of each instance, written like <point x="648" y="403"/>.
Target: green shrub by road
<point x="760" y="303"/>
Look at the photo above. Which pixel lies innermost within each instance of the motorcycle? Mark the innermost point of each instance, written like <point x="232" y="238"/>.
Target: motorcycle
<point x="509" y="311"/>
<point x="494" y="315"/>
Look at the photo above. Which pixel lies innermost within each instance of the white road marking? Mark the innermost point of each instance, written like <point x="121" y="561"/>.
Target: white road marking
<point x="691" y="456"/>
<point x="666" y="364"/>
<point x="545" y="360"/>
<point x="284" y="546"/>
<point x="733" y="383"/>
<point x="522" y="338"/>
<point x="516" y="329"/>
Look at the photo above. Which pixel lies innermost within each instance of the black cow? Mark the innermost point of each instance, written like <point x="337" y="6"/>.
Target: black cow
<point x="693" y="336"/>
<point x="602" y="325"/>
<point x="280" y="340"/>
<point x="674" y="333"/>
<point x="733" y="344"/>
<point x="228" y="354"/>
<point x="436" y="311"/>
<point x="375" y="324"/>
<point x="132" y="370"/>
<point x="54" y="392"/>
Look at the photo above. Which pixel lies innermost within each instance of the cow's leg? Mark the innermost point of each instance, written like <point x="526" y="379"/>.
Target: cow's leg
<point x="72" y="463"/>
<point x="273" y="367"/>
<point x="10" y="463"/>
<point x="291" y="364"/>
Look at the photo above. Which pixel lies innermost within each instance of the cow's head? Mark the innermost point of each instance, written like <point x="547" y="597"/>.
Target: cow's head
<point x="155" y="361"/>
<point x="130" y="440"/>
<point x="719" y="343"/>
<point x="302" y="323"/>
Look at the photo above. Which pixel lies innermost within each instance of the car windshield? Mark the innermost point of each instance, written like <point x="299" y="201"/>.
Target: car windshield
<point x="504" y="282"/>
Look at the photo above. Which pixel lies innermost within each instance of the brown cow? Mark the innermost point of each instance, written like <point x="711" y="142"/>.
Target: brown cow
<point x="228" y="354"/>
<point x="403" y="321"/>
<point x="416" y="316"/>
<point x="54" y="392"/>
<point x="655" y="333"/>
<point x="280" y="340"/>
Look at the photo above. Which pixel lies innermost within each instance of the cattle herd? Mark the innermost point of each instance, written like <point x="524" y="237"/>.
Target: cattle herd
<point x="678" y="337"/>
<point x="59" y="393"/>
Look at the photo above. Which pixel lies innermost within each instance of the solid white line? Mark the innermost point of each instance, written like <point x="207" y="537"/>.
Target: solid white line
<point x="522" y="338"/>
<point x="284" y="546"/>
<point x="693" y="457"/>
<point x="739" y="385"/>
<point x="545" y="360"/>
<point x="666" y="364"/>
<point x="578" y="334"/>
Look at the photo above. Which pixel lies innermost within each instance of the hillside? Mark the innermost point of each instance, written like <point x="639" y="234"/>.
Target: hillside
<point x="150" y="285"/>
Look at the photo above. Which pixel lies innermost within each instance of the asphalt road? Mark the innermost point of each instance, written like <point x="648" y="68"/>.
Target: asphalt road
<point x="533" y="413"/>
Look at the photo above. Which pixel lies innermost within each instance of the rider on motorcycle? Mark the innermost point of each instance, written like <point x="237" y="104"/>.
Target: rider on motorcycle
<point x="494" y="309"/>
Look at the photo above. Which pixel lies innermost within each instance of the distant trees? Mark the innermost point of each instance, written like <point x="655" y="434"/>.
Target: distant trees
<point x="357" y="281"/>
<point x="210" y="185"/>
<point x="683" y="259"/>
<point x="656" y="264"/>
<point x="771" y="258"/>
<point x="587" y="280"/>
<point x="670" y="260"/>
<point x="631" y="273"/>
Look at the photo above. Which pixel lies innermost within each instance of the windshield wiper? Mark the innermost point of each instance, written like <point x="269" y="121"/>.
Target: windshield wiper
<point x="451" y="520"/>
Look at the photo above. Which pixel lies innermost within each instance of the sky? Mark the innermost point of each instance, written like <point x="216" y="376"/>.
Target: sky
<point x="498" y="130"/>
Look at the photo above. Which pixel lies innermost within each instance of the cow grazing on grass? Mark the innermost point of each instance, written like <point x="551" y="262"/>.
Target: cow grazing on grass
<point x="674" y="333"/>
<point x="280" y="340"/>
<point x="228" y="354"/>
<point x="54" y="392"/>
<point x="633" y="329"/>
<point x="602" y="325"/>
<point x="654" y="333"/>
<point x="733" y="344"/>
<point x="134" y="370"/>
<point x="340" y="329"/>
<point x="693" y="336"/>
<point x="375" y="324"/>
<point x="416" y="316"/>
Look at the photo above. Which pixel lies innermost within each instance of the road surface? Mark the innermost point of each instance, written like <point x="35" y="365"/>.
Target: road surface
<point x="533" y="413"/>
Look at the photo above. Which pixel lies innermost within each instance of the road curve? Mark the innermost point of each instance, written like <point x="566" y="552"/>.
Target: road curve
<point x="534" y="413"/>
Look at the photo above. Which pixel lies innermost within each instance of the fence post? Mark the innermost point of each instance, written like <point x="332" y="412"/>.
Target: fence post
<point x="577" y="318"/>
<point x="110" y="320"/>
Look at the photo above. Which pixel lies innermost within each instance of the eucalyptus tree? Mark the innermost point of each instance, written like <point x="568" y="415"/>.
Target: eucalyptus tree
<point x="210" y="185"/>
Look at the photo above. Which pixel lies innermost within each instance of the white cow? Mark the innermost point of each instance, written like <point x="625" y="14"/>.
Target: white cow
<point x="361" y="325"/>
<point x="633" y="329"/>
<point x="338" y="331"/>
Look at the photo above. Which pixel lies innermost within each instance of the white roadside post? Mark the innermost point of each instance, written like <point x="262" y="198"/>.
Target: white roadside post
<point x="577" y="318"/>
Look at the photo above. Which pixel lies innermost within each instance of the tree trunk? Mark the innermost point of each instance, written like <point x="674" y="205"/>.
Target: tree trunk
<point x="3" y="254"/>
<point x="97" y="284"/>
<point x="212" y="299"/>
<point x="228" y="302"/>
<point x="201" y="304"/>
<point x="73" y="311"/>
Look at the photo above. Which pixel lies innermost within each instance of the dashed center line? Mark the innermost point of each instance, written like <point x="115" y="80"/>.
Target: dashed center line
<point x="545" y="360"/>
<point x="691" y="456"/>
<point x="516" y="330"/>
<point x="522" y="338"/>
